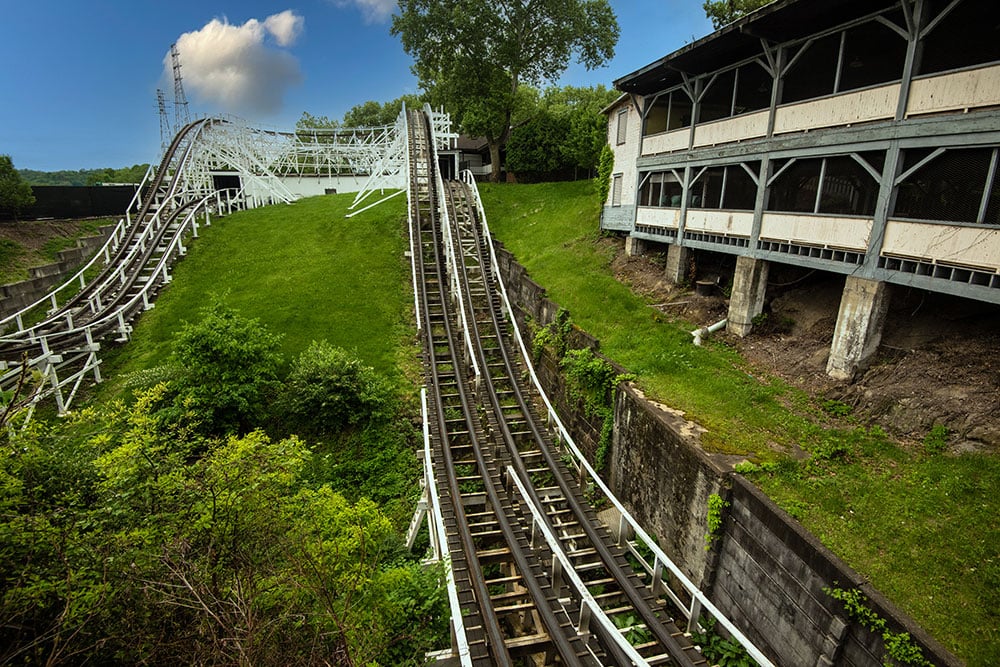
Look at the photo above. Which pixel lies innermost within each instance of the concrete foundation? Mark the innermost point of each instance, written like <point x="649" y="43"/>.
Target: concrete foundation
<point x="747" y="300"/>
<point x="859" y="327"/>
<point x="635" y="247"/>
<point x="677" y="263"/>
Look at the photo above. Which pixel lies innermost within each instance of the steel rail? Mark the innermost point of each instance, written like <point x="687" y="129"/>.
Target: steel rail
<point x="651" y="617"/>
<point x="699" y="601"/>
<point x="491" y="485"/>
<point x="495" y="640"/>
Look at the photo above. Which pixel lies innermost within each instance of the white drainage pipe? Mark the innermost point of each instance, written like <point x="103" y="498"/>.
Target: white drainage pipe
<point x="704" y="331"/>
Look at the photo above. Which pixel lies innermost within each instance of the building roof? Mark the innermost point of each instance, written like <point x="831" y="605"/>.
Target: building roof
<point x="614" y="105"/>
<point x="777" y="22"/>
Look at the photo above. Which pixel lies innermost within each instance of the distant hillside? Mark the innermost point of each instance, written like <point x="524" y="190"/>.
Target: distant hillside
<point x="131" y="174"/>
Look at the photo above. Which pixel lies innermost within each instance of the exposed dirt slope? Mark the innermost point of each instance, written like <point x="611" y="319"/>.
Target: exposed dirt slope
<point x="939" y="360"/>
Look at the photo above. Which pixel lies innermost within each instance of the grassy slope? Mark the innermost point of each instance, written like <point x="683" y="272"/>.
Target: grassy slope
<point x="304" y="270"/>
<point x="923" y="528"/>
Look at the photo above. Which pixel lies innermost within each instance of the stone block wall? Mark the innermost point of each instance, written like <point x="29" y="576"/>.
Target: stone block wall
<point x="764" y="570"/>
<point x="43" y="279"/>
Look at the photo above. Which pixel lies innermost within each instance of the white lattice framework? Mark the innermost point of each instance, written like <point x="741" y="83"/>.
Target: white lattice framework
<point x="61" y="348"/>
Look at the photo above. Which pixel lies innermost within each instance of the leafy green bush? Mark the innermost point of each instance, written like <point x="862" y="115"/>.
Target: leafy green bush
<point x="229" y="368"/>
<point x="329" y="390"/>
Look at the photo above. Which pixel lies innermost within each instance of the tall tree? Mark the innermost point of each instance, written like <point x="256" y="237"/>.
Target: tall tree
<point x="473" y="55"/>
<point x="724" y="12"/>
<point x="15" y="193"/>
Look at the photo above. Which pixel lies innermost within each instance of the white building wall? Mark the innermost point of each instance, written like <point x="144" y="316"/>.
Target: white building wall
<point x="621" y="217"/>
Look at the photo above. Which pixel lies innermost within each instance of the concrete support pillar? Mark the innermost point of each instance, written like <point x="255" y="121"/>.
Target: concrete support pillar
<point x="747" y="300"/>
<point x="634" y="247"/>
<point x="863" y="307"/>
<point x="678" y="258"/>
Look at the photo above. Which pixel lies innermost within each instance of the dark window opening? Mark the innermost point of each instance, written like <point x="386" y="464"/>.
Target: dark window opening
<point x="795" y="189"/>
<point x="656" y="117"/>
<point x="949" y="188"/>
<point x="969" y="35"/>
<point x="873" y="54"/>
<point x="813" y="74"/>
<point x="848" y="188"/>
<point x="671" y="111"/>
<point x="706" y="192"/>
<point x="741" y="190"/>
<point x="717" y="100"/>
<point x="729" y="187"/>
<point x="753" y="88"/>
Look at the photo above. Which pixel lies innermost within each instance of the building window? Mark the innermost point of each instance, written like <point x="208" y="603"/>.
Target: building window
<point x="670" y="111"/>
<point x="661" y="189"/>
<point x="729" y="187"/>
<point x="837" y="185"/>
<point x="814" y="71"/>
<point x="968" y="35"/>
<point x="616" y="190"/>
<point x="717" y="100"/>
<point x="622" y="126"/>
<point x="958" y="185"/>
<point x="873" y="53"/>
<point x="740" y="193"/>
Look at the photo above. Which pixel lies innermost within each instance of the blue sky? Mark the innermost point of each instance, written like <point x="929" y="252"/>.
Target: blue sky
<point x="78" y="85"/>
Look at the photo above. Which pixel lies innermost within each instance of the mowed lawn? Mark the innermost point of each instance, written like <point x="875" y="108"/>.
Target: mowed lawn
<point x="304" y="270"/>
<point x="923" y="527"/>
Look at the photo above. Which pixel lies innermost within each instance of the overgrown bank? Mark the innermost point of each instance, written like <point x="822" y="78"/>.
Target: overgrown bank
<point x="942" y="572"/>
<point x="236" y="493"/>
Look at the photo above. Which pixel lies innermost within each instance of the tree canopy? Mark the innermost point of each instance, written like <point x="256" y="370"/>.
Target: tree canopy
<point x="15" y="193"/>
<point x="366" y="114"/>
<point x="724" y="12"/>
<point x="133" y="174"/>
<point x="473" y="55"/>
<point x="564" y="134"/>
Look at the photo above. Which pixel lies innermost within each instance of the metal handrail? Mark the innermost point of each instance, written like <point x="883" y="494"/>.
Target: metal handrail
<point x="457" y="622"/>
<point x="698" y="599"/>
<point x="589" y="608"/>
<point x="450" y="248"/>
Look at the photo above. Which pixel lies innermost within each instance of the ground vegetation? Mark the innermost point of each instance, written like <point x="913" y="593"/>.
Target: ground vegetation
<point x="903" y="502"/>
<point x="191" y="513"/>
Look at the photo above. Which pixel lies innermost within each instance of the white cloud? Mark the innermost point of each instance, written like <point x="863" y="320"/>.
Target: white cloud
<point x="235" y="68"/>
<point x="374" y="11"/>
<point x="286" y="27"/>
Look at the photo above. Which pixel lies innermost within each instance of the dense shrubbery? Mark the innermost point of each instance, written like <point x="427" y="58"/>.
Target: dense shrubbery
<point x="329" y="390"/>
<point x="172" y="528"/>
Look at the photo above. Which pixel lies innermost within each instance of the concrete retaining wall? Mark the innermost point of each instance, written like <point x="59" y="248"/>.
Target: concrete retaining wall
<point x="15" y="296"/>
<point x="764" y="571"/>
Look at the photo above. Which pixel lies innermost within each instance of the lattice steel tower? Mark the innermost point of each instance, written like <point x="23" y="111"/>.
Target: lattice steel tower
<point x="166" y="132"/>
<point x="181" y="115"/>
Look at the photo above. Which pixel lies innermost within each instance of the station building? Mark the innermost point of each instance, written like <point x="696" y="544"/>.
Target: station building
<point x="858" y="137"/>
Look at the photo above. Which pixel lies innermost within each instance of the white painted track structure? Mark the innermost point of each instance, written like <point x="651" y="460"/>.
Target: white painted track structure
<point x="214" y="166"/>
